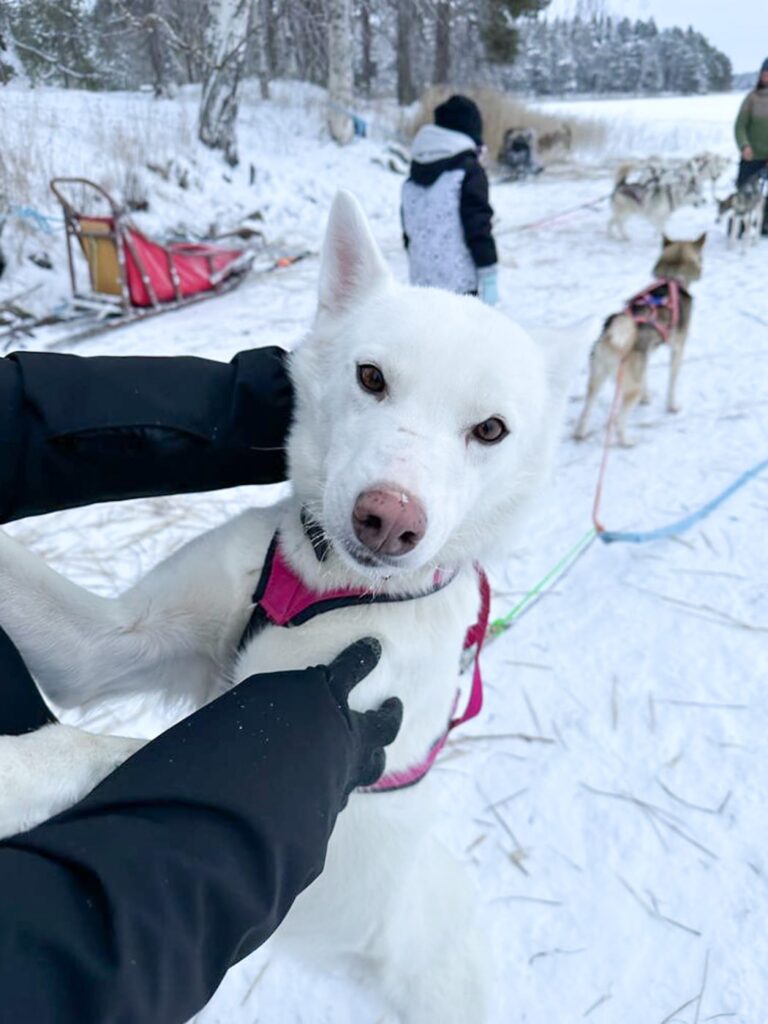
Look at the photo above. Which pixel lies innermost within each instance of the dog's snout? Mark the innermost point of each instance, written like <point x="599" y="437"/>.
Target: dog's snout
<point x="389" y="521"/>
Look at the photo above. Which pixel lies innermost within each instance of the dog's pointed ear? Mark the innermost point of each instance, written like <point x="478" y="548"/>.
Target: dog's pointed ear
<point x="665" y="241"/>
<point x="351" y="264"/>
<point x="699" y="243"/>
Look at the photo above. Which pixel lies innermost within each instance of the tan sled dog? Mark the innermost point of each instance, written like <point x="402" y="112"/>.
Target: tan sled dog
<point x="660" y="313"/>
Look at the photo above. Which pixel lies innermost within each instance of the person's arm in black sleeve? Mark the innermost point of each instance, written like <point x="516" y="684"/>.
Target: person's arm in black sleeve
<point x="74" y="430"/>
<point x="132" y="905"/>
<point x="476" y="216"/>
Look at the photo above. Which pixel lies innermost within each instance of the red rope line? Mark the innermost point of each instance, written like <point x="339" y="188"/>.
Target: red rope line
<point x="551" y="218"/>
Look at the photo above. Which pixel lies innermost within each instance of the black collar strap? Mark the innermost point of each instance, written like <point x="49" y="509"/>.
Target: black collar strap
<point x="316" y="536"/>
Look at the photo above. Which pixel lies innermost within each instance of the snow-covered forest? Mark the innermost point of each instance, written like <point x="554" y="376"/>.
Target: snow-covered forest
<point x="397" y="46"/>
<point x="615" y="55"/>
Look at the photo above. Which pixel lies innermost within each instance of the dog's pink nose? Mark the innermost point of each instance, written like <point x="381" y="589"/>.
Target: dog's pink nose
<point x="389" y="522"/>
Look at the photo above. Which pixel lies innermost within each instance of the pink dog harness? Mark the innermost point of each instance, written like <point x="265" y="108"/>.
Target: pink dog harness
<point x="646" y="306"/>
<point x="282" y="599"/>
<point x="475" y="637"/>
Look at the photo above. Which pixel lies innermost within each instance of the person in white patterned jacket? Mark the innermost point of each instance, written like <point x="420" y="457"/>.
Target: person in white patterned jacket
<point x="445" y="210"/>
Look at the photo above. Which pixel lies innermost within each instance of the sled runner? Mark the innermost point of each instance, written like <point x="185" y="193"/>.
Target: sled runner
<point x="129" y="271"/>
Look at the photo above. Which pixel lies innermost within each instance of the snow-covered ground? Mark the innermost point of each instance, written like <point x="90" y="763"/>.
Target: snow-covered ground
<point x="612" y="802"/>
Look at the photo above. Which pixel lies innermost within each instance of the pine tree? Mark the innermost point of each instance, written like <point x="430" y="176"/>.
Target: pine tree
<point x="602" y="55"/>
<point x="500" y="33"/>
<point x="10" y="64"/>
<point x="54" y="41"/>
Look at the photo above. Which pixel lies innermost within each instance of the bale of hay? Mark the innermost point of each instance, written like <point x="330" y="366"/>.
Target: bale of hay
<point x="557" y="135"/>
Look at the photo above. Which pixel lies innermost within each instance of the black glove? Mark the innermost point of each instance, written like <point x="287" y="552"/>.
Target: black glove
<point x="371" y="730"/>
<point x="22" y="709"/>
<point x="134" y="903"/>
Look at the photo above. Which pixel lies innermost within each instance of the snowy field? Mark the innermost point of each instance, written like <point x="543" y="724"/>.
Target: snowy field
<point x="612" y="801"/>
<point x="672" y="124"/>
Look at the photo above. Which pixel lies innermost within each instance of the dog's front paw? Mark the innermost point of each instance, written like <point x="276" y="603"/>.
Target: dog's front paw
<point x="579" y="431"/>
<point x="673" y="407"/>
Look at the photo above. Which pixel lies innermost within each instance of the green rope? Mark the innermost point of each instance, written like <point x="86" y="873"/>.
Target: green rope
<point x="500" y="625"/>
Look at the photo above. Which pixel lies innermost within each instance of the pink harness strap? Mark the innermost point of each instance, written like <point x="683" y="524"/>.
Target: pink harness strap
<point x="649" y="300"/>
<point x="475" y="636"/>
<point x="285" y="600"/>
<point x="286" y="596"/>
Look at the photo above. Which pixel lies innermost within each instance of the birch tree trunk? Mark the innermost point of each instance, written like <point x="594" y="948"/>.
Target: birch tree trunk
<point x="340" y="70"/>
<point x="225" y="43"/>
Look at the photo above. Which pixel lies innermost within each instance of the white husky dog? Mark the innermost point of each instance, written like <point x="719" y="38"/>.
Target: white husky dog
<point x="424" y="424"/>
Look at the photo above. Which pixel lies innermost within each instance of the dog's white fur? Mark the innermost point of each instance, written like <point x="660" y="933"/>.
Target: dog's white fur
<point x="390" y="892"/>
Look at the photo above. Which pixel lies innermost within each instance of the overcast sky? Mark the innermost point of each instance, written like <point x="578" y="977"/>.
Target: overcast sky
<point x="737" y="27"/>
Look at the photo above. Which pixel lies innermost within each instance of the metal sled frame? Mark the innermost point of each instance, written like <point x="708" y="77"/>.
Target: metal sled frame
<point x="104" y="241"/>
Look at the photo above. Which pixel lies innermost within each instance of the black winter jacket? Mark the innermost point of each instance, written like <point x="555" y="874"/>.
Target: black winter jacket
<point x="130" y="907"/>
<point x="75" y="431"/>
<point x="446" y="212"/>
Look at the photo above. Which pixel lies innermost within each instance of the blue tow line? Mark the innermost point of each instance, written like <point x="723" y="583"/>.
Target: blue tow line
<point x="569" y="560"/>
<point x="42" y="220"/>
<point x="629" y="537"/>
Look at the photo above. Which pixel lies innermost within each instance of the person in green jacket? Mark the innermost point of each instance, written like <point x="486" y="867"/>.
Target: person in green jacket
<point x="751" y="130"/>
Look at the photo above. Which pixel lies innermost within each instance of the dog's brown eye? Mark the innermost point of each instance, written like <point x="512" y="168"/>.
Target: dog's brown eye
<point x="370" y="378"/>
<point x="490" y="431"/>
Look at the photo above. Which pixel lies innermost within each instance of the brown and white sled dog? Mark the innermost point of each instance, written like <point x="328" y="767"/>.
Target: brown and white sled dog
<point x="660" y="314"/>
<point x="399" y="390"/>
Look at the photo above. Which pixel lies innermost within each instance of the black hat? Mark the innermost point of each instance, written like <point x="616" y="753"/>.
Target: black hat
<point x="765" y="65"/>
<point x="460" y="114"/>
